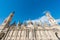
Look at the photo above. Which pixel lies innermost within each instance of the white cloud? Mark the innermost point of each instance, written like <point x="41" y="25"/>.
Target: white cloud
<point x="58" y="20"/>
<point x="43" y="19"/>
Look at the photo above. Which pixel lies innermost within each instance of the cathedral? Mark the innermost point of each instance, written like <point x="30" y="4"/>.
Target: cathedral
<point x="30" y="30"/>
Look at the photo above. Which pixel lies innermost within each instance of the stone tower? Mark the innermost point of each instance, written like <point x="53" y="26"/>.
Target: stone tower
<point x="52" y="21"/>
<point x="8" y="19"/>
<point x="5" y="25"/>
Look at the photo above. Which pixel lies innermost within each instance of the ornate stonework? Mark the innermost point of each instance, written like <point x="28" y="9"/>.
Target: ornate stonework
<point x="29" y="31"/>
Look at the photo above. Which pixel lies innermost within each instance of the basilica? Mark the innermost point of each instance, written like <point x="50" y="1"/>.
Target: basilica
<point x="29" y="30"/>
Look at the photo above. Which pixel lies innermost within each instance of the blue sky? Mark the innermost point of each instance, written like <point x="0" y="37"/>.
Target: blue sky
<point x="28" y="9"/>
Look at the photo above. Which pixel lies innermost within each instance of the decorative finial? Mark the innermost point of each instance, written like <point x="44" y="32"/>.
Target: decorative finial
<point x="19" y="24"/>
<point x="13" y="24"/>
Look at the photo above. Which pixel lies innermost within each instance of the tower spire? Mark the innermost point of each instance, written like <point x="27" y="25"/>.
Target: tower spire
<point x="52" y="21"/>
<point x="18" y="24"/>
<point x="8" y="19"/>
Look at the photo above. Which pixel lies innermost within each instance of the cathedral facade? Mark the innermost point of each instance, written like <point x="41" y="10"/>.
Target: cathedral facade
<point x="30" y="30"/>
